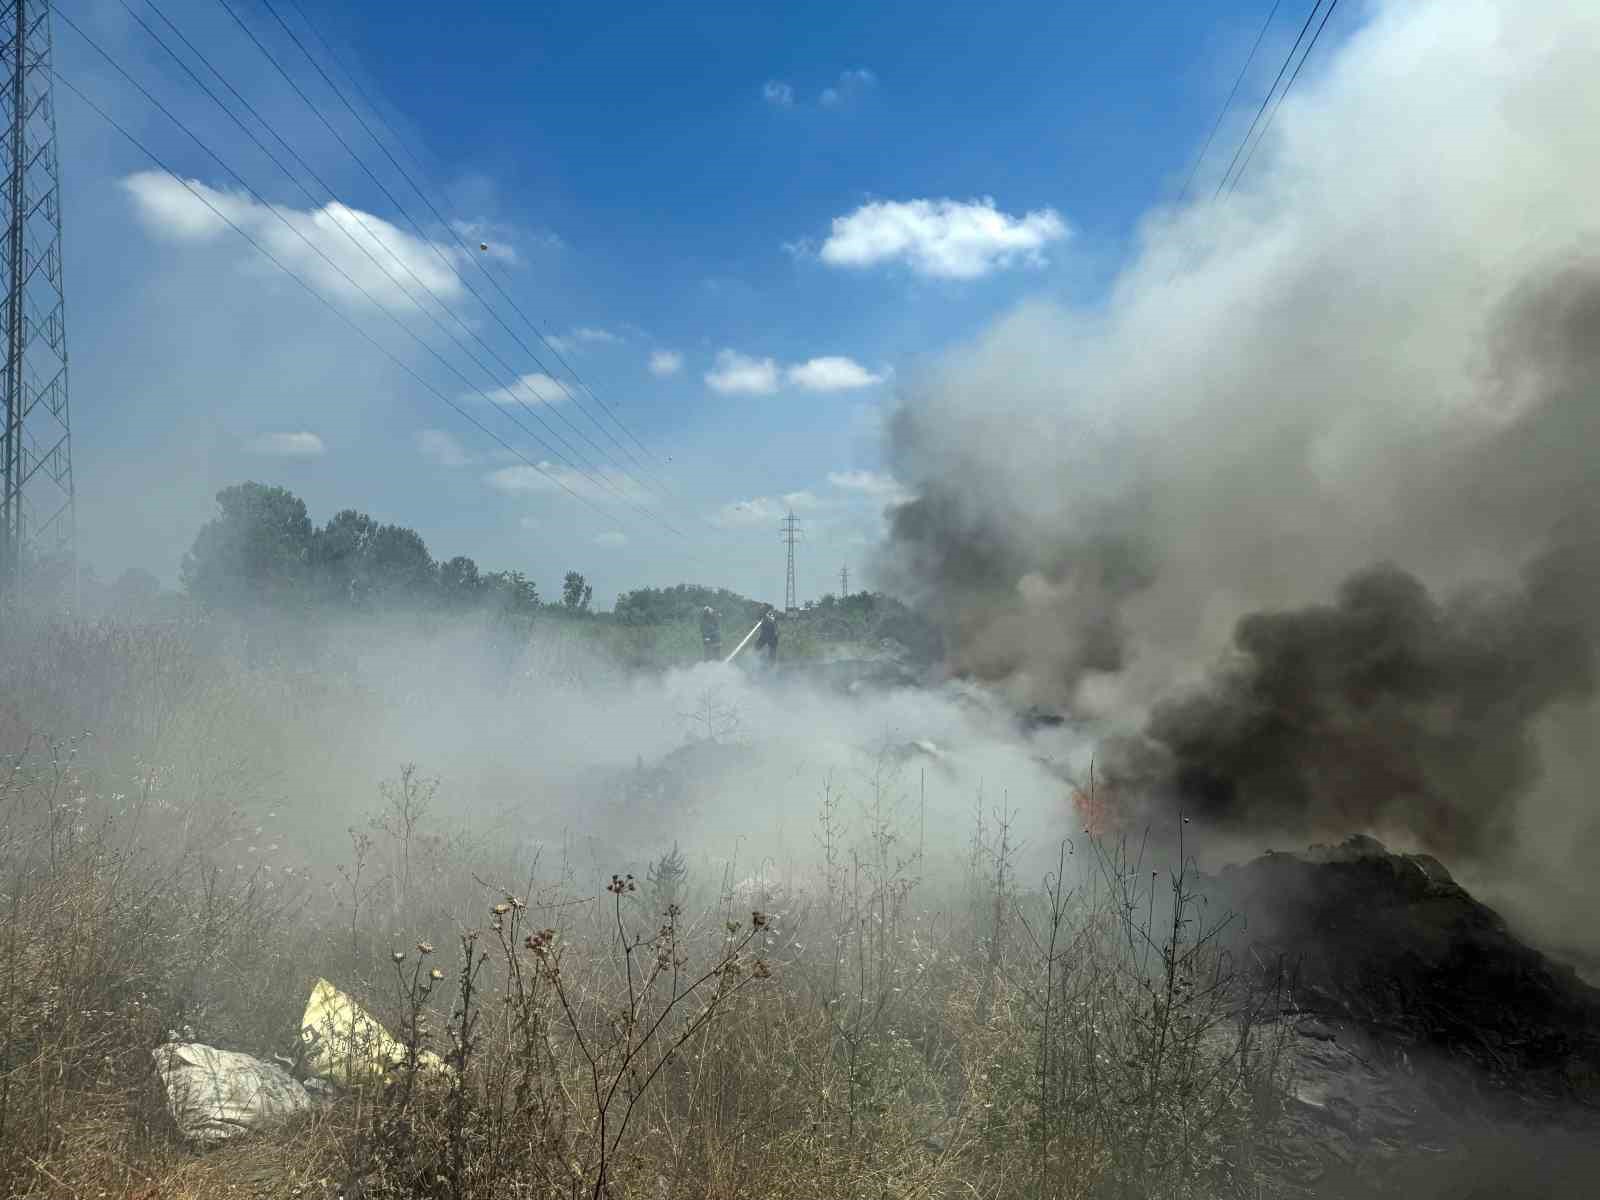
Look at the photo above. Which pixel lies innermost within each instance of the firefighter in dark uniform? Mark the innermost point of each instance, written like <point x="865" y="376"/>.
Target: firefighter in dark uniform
<point x="710" y="634"/>
<point x="767" y="639"/>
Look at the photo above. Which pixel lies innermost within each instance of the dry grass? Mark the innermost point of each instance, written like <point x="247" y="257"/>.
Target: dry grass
<point x="867" y="1032"/>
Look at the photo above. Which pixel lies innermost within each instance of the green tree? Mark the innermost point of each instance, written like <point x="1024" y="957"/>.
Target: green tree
<point x="339" y="553"/>
<point x="399" y="568"/>
<point x="460" y="584"/>
<point x="683" y="602"/>
<point x="355" y="559"/>
<point x="511" y="593"/>
<point x="576" y="593"/>
<point x="135" y="594"/>
<point x="254" y="553"/>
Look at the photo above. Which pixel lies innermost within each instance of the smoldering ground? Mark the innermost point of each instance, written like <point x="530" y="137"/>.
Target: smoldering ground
<point x="1305" y="512"/>
<point x="537" y="746"/>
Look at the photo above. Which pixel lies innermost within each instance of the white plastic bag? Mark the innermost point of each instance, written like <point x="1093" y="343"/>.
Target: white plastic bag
<point x="214" y="1095"/>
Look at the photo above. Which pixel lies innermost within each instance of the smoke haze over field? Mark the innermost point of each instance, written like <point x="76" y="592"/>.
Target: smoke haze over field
<point x="545" y="741"/>
<point x="1362" y="387"/>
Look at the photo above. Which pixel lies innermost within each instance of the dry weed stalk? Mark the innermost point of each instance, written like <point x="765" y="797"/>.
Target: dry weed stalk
<point x="910" y="1036"/>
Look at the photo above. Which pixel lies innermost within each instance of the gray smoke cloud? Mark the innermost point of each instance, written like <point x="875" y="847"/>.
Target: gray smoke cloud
<point x="1357" y="399"/>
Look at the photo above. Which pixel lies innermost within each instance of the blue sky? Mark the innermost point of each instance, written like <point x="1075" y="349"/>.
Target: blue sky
<point x="749" y="228"/>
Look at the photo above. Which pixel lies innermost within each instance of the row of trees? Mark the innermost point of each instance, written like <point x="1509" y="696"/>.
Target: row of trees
<point x="861" y="617"/>
<point x="262" y="551"/>
<point x="873" y="617"/>
<point x="262" y="554"/>
<point x="684" y="602"/>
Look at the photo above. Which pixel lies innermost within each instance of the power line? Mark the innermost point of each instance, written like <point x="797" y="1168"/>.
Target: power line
<point x="1310" y="17"/>
<point x="302" y="237"/>
<point x="355" y="84"/>
<point x="510" y="392"/>
<point x="421" y="235"/>
<point x="400" y="143"/>
<point x="338" y="312"/>
<point x="444" y="224"/>
<point x="425" y="199"/>
<point x="1310" y="46"/>
<point x="1228" y="103"/>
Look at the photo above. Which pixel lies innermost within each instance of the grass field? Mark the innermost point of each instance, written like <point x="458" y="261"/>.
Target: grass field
<point x="872" y="1024"/>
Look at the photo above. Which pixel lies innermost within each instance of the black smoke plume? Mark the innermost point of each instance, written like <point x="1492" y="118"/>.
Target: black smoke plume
<point x="1303" y="521"/>
<point x="1386" y="710"/>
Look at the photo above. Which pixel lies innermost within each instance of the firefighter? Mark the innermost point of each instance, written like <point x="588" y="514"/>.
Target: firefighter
<point x="710" y="633"/>
<point x="767" y="639"/>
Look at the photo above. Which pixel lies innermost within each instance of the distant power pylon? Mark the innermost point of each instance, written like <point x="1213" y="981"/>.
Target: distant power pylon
<point x="37" y="509"/>
<point x="844" y="582"/>
<point x="791" y="534"/>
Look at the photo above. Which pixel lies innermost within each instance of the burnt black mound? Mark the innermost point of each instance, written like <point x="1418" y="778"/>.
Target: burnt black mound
<point x="1432" y="1053"/>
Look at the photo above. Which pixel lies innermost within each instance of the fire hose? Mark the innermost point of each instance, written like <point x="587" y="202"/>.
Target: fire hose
<point x="741" y="645"/>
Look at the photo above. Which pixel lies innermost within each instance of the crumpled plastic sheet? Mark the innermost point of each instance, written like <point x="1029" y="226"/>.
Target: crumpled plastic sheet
<point x="345" y="1043"/>
<point x="214" y="1095"/>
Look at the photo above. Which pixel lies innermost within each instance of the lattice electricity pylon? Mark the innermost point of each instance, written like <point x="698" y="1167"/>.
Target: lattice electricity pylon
<point x="37" y="510"/>
<point x="791" y="534"/>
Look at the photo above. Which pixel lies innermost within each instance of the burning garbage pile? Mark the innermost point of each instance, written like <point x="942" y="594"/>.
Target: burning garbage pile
<point x="1420" y="1026"/>
<point x="1421" y="1029"/>
<point x="1387" y="710"/>
<point x="1392" y="943"/>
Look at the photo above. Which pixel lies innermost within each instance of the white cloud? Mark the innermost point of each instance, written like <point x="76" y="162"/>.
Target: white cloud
<point x="604" y="484"/>
<point x="345" y="237"/>
<point x="288" y="445"/>
<point x="442" y="448"/>
<point x="577" y="339"/>
<point x="743" y="514"/>
<point x="741" y="373"/>
<point x="831" y="373"/>
<point x="763" y="510"/>
<point x="500" y="240"/>
<point x="529" y="524"/>
<point x="533" y="388"/>
<point x="737" y="373"/>
<point x="944" y="239"/>
<point x="666" y="362"/>
<point x="611" y="538"/>
<point x="871" y="483"/>
<point x="851" y="84"/>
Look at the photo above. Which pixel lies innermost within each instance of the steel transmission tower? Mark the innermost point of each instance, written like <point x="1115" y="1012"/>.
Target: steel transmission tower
<point x="791" y="534"/>
<point x="37" y="510"/>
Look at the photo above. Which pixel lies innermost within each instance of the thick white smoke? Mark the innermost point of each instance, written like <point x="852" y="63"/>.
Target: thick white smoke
<point x="548" y="745"/>
<point x="1380" y="348"/>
